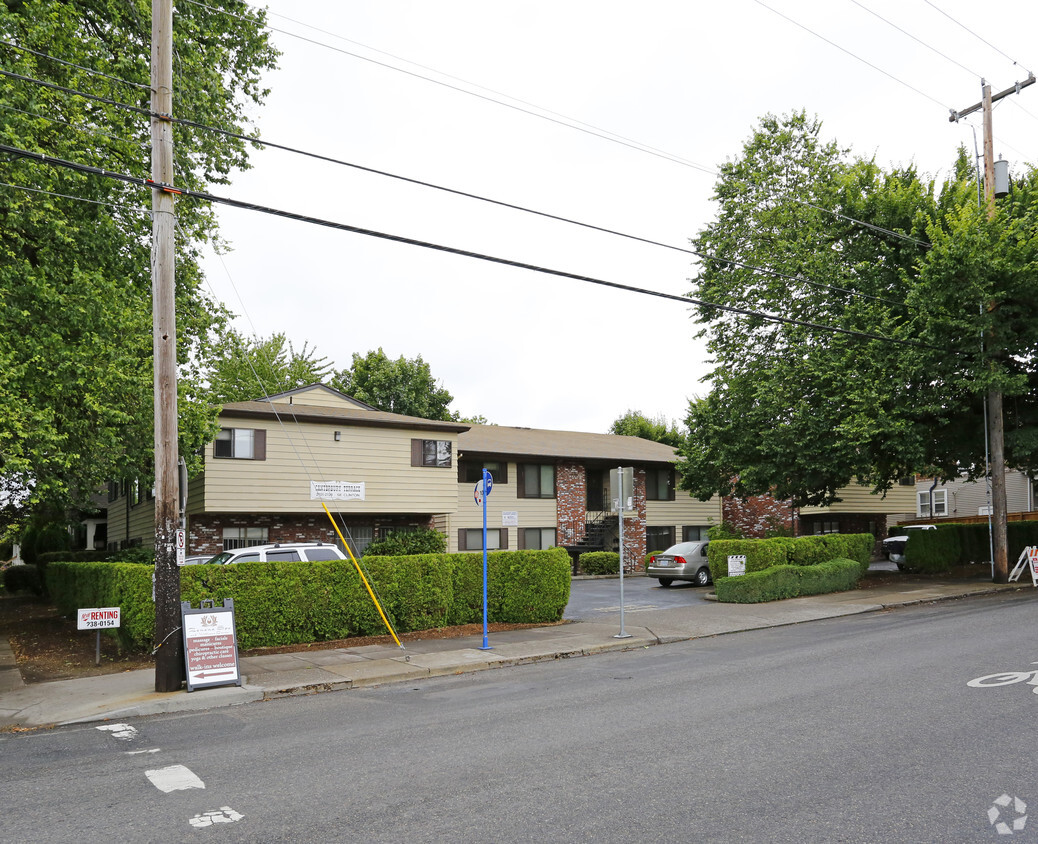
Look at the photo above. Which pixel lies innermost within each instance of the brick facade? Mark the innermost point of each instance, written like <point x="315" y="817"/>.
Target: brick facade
<point x="570" y="502"/>
<point x="634" y="526"/>
<point x="205" y="533"/>
<point x="758" y="514"/>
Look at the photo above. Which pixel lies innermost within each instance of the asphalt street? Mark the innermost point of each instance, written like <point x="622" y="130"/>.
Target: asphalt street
<point x="856" y="729"/>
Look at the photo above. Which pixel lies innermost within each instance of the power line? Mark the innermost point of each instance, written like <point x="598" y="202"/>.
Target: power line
<point x="77" y="127"/>
<point x="849" y="53"/>
<point x="511" y="206"/>
<point x="318" y="156"/>
<point x="28" y="189"/>
<point x="91" y="71"/>
<point x="971" y="32"/>
<point x="917" y="40"/>
<point x="464" y="253"/>
<point x="524" y="107"/>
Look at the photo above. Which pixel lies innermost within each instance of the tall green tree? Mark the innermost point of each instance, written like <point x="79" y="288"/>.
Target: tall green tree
<point x="399" y="386"/>
<point x="800" y="411"/>
<point x="242" y="369"/>
<point x="634" y="423"/>
<point x="75" y="309"/>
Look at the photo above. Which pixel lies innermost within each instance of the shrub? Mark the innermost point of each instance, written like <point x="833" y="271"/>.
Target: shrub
<point x="404" y="543"/>
<point x="280" y="603"/>
<point x="23" y="578"/>
<point x="599" y="562"/>
<point x="74" y="556"/>
<point x="725" y="530"/>
<point x="789" y="581"/>
<point x="851" y="546"/>
<point x="760" y="554"/>
<point x="931" y="551"/>
<point x="140" y="555"/>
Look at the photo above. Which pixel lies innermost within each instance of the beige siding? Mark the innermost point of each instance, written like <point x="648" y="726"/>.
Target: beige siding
<point x="860" y="499"/>
<point x="533" y="512"/>
<point x="299" y="453"/>
<point x="965" y="498"/>
<point x="141" y="522"/>
<point x="685" y="510"/>
<point x="316" y="397"/>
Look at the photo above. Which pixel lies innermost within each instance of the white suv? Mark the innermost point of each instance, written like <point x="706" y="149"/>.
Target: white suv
<point x="290" y="551"/>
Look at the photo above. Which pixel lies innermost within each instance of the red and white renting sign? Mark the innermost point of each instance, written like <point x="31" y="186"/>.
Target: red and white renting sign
<point x="98" y="618"/>
<point x="210" y="648"/>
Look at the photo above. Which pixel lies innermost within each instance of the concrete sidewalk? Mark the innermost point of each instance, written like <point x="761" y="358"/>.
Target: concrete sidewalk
<point x="266" y="677"/>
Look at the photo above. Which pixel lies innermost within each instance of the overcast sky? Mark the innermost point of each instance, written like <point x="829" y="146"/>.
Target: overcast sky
<point x="689" y="79"/>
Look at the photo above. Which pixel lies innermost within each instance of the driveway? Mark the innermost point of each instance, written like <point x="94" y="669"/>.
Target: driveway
<point x="589" y="600"/>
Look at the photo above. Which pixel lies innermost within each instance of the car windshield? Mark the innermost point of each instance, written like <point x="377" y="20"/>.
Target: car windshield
<point x="220" y="559"/>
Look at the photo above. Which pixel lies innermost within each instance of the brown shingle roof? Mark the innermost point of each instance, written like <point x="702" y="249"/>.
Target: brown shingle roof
<point x="344" y="415"/>
<point x="537" y="442"/>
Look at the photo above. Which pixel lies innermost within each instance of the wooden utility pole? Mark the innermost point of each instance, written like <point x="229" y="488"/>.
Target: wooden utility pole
<point x="169" y="663"/>
<point x="996" y="435"/>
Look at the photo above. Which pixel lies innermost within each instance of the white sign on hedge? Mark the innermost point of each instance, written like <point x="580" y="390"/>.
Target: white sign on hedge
<point x="736" y="564"/>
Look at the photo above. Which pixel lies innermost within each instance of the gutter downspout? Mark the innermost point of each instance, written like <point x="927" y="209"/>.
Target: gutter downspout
<point x="932" y="488"/>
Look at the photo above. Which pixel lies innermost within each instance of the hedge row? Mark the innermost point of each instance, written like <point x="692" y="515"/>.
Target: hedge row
<point x="789" y="581"/>
<point x="960" y="544"/>
<point x="282" y="603"/>
<point x="599" y="562"/>
<point x="763" y="554"/>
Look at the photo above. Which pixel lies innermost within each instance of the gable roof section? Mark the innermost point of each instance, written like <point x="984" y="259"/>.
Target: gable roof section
<point x="536" y="443"/>
<point x="343" y="415"/>
<point x="317" y="394"/>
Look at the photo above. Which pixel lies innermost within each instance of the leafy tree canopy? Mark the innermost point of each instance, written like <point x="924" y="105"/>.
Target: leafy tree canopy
<point x="801" y="412"/>
<point x="75" y="300"/>
<point x="243" y="369"/>
<point x="397" y="386"/>
<point x="634" y="423"/>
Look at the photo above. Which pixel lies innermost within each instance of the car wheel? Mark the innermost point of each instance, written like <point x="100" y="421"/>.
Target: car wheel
<point x="665" y="581"/>
<point x="703" y="576"/>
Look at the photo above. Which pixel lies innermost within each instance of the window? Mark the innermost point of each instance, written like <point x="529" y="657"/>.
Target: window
<point x="694" y="533"/>
<point x="537" y="539"/>
<point x="471" y="471"/>
<point x="435" y="453"/>
<point x="243" y="537"/>
<point x="658" y="538"/>
<point x="241" y="444"/>
<point x="826" y="527"/>
<point x="659" y="484"/>
<point x="536" y="480"/>
<point x="940" y="503"/>
<point x="471" y="539"/>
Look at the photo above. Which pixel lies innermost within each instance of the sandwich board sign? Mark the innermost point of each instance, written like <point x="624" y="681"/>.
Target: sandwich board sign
<point x="210" y="644"/>
<point x="1029" y="558"/>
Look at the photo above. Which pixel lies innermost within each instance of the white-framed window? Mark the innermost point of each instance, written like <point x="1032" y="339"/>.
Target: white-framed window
<point x="940" y="503"/>
<point x="243" y="537"/>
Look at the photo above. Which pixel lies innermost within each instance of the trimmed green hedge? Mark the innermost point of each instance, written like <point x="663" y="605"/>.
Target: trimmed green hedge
<point x="599" y="562"/>
<point x="789" y="581"/>
<point x="763" y="554"/>
<point x="281" y="603"/>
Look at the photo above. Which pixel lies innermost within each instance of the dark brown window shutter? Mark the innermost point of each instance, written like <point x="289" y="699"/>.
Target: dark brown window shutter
<point x="461" y="540"/>
<point x="504" y="539"/>
<point x="520" y="539"/>
<point x="259" y="444"/>
<point x="520" y="481"/>
<point x="416" y="452"/>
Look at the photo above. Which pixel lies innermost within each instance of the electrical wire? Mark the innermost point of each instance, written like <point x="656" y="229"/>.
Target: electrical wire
<point x="394" y="238"/>
<point x="971" y="32"/>
<point x="917" y="40"/>
<point x="849" y="53"/>
<point x="91" y="71"/>
<point x="27" y="189"/>
<point x="318" y="156"/>
<point x="328" y="159"/>
<point x="565" y="120"/>
<point x="80" y="128"/>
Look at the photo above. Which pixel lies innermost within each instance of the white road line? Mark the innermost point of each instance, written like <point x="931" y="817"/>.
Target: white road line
<point x="225" y="815"/>
<point x="120" y="731"/>
<point x="139" y="752"/>
<point x="173" y="778"/>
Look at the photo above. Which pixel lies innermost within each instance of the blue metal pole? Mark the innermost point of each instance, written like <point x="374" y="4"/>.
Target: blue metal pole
<point x="486" y="646"/>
